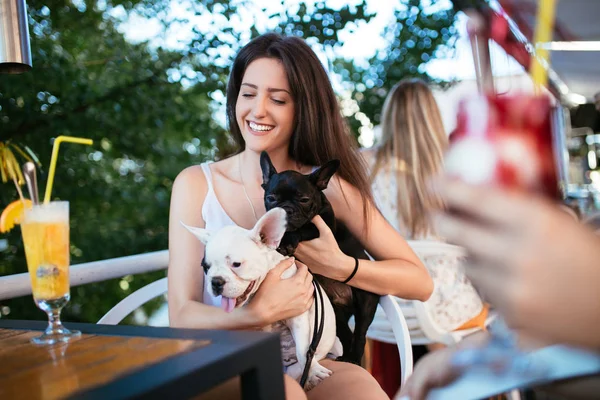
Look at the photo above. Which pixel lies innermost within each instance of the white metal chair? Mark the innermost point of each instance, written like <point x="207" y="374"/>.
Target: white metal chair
<point x="396" y="318"/>
<point x="134" y="301"/>
<point x="391" y="309"/>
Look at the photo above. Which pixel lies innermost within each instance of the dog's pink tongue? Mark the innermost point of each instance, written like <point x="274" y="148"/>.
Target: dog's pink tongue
<point x="227" y="304"/>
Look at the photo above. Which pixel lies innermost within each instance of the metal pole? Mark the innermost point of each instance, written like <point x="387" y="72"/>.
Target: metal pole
<point x="15" y="51"/>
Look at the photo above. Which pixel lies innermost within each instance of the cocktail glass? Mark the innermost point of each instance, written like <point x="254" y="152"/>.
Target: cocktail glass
<point x="509" y="141"/>
<point x="45" y="229"/>
<point x="512" y="142"/>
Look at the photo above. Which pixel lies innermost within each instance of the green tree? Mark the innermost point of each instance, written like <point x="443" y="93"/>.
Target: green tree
<point x="152" y="111"/>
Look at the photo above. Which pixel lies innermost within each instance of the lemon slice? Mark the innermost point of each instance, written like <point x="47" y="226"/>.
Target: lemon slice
<point x="13" y="214"/>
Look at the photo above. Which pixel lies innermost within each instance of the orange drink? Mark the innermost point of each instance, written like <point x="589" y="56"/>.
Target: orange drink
<point x="46" y="237"/>
<point x="45" y="229"/>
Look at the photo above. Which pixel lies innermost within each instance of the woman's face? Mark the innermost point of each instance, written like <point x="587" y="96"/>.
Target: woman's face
<point x="265" y="108"/>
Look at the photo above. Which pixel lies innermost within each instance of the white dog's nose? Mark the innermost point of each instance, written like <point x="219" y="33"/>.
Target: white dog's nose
<point x="217" y="285"/>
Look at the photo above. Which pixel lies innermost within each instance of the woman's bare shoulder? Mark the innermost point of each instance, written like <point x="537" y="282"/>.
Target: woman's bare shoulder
<point x="191" y="177"/>
<point x="195" y="178"/>
<point x="224" y="168"/>
<point x="343" y="195"/>
<point x="189" y="191"/>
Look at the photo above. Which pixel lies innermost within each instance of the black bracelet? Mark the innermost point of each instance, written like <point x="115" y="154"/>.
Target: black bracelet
<point x="353" y="272"/>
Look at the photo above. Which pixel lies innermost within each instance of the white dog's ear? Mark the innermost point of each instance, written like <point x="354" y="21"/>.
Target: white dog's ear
<point x="270" y="227"/>
<point x="200" y="233"/>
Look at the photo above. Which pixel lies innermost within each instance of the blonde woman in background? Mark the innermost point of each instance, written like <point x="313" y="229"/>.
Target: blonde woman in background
<point x="409" y="153"/>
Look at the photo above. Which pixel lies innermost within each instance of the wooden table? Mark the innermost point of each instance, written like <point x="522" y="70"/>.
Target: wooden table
<point x="125" y="362"/>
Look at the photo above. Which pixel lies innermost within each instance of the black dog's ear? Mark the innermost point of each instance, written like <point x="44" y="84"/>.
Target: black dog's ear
<point x="268" y="170"/>
<point x="320" y="178"/>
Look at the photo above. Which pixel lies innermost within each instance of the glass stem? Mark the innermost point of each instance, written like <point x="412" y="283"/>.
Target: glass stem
<point x="54" y="323"/>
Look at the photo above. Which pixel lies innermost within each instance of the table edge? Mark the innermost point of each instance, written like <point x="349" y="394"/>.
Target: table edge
<point x="233" y="352"/>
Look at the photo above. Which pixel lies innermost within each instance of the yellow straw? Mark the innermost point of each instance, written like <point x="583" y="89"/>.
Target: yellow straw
<point x="55" y="147"/>
<point x="543" y="34"/>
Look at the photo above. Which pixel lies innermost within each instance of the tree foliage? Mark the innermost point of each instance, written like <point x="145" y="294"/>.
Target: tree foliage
<point x="153" y="110"/>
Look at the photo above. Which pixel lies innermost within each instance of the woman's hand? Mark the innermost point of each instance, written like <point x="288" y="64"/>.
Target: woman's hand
<point x="432" y="371"/>
<point x="323" y="254"/>
<point x="437" y="369"/>
<point x="278" y="298"/>
<point x="530" y="260"/>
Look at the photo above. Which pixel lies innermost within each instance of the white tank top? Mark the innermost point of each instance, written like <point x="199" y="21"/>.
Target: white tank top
<point x="215" y="218"/>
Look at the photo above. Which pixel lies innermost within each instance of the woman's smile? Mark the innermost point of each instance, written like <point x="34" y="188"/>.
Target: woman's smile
<point x="259" y="129"/>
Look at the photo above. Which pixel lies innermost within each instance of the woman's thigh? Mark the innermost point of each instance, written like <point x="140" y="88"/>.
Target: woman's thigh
<point x="230" y="390"/>
<point x="348" y="382"/>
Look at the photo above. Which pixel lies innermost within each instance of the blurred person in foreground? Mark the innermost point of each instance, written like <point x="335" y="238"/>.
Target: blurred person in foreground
<point x="533" y="261"/>
<point x="411" y="152"/>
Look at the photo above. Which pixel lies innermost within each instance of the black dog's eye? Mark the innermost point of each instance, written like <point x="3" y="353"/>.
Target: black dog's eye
<point x="271" y="198"/>
<point x="304" y="200"/>
<point x="236" y="264"/>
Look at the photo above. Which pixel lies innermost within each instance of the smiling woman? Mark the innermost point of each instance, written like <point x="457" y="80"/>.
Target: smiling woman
<point x="280" y="100"/>
<point x="265" y="108"/>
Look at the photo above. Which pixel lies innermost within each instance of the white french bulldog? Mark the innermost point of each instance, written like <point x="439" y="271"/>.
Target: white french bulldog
<point x="236" y="262"/>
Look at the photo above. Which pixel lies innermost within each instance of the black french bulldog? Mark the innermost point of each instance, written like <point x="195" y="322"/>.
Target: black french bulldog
<point x="302" y="198"/>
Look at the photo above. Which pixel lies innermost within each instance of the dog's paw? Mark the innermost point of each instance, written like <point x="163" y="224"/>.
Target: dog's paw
<point x="294" y="371"/>
<point x="290" y="249"/>
<point x="316" y="374"/>
<point x="286" y="249"/>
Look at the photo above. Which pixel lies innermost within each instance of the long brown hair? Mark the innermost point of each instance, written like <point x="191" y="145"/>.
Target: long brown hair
<point x="413" y="143"/>
<point x="320" y="132"/>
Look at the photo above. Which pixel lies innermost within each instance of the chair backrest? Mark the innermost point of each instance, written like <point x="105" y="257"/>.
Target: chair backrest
<point x="394" y="315"/>
<point x="134" y="301"/>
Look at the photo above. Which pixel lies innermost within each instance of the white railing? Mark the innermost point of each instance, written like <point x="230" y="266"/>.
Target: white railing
<point x="97" y="271"/>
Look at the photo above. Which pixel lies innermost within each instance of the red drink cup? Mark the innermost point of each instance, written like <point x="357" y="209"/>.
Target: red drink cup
<point x="506" y="141"/>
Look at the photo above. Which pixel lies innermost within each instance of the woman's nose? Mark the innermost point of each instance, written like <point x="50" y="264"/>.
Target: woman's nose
<point x="260" y="107"/>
